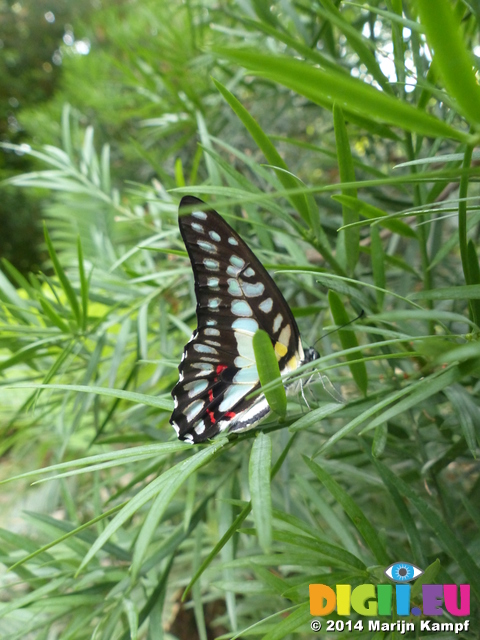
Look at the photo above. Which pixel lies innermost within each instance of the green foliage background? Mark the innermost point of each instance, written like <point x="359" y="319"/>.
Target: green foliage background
<point x="352" y="177"/>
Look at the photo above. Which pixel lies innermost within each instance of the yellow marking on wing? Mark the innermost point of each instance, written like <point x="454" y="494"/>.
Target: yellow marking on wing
<point x="280" y="350"/>
<point x="292" y="364"/>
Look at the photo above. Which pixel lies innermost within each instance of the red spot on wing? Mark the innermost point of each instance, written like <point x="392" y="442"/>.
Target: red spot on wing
<point x="230" y="414"/>
<point x="220" y="368"/>
<point x="210" y="395"/>
<point x="211" y="416"/>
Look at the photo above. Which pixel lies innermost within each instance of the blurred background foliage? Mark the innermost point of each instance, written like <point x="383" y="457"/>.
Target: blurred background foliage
<point x="111" y="111"/>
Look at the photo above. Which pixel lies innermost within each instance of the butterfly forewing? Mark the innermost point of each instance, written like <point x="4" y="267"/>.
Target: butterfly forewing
<point x="235" y="297"/>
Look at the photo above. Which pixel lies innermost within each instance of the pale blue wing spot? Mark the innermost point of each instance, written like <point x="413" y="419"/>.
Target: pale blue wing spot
<point x="233" y="271"/>
<point x="233" y="241"/>
<point x="249" y="273"/>
<point x="213" y="282"/>
<point x="266" y="305"/>
<point x="199" y="214"/>
<point x="247" y="375"/>
<point x="203" y="348"/>
<point x="193" y="409"/>
<point x="253" y="290"/>
<point x="241" y="308"/>
<point x="233" y="395"/>
<point x="211" y="323"/>
<point x="234" y="287"/>
<point x="207" y="246"/>
<point x="211" y="332"/>
<point x="245" y="324"/>
<point x="214" y="236"/>
<point x="214" y="303"/>
<point x="195" y="387"/>
<point x="213" y="343"/>
<point x="237" y="262"/>
<point x="277" y="323"/>
<point x="204" y="366"/>
<point x="197" y="227"/>
<point x="199" y="427"/>
<point x="245" y="345"/>
<point x="241" y="362"/>
<point x="211" y="264"/>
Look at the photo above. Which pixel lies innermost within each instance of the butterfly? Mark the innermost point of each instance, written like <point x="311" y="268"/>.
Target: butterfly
<point x="235" y="297"/>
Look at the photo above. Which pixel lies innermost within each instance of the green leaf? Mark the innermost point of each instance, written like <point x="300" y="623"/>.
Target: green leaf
<point x="376" y="214"/>
<point x="378" y="265"/>
<point x="348" y="340"/>
<point x="265" y="145"/>
<point x="140" y="398"/>
<point x="446" y="537"/>
<point x="259" y="483"/>
<point x="348" y="244"/>
<point x="328" y="87"/>
<point x="467" y="413"/>
<point x="64" y="281"/>
<point x="453" y="60"/>
<point x="166" y="486"/>
<point x="298" y="618"/>
<point x="84" y="284"/>
<point x="269" y="371"/>
<point x="353" y="511"/>
<point x="53" y="316"/>
<point x="459" y="292"/>
<point x="473" y="278"/>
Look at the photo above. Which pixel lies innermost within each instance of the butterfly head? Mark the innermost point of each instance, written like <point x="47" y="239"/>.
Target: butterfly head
<point x="311" y="354"/>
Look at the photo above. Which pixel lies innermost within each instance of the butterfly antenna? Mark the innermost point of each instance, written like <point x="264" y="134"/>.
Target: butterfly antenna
<point x="360" y="315"/>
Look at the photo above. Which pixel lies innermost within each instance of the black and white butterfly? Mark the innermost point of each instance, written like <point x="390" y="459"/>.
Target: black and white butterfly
<point x="235" y="297"/>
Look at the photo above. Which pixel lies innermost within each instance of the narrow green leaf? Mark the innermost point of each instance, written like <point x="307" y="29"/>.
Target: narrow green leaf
<point x="448" y="539"/>
<point x="453" y="60"/>
<point x="179" y="175"/>
<point x="460" y="292"/>
<point x="260" y="493"/>
<point x="474" y="278"/>
<point x="237" y="522"/>
<point x="348" y="245"/>
<point x="84" y="284"/>
<point x="53" y="316"/>
<point x="348" y="340"/>
<point x="378" y="265"/>
<point x="467" y="413"/>
<point x="372" y="212"/>
<point x="326" y="86"/>
<point x="268" y="149"/>
<point x="64" y="281"/>
<point x="379" y="439"/>
<point x="356" y="515"/>
<point x="409" y="523"/>
<point x="165" y="485"/>
<point x="132" y="617"/>
<point x="269" y="371"/>
<point x="298" y="618"/>
<point x="140" y="398"/>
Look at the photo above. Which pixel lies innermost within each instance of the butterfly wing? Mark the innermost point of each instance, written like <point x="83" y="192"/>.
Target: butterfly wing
<point x="235" y="297"/>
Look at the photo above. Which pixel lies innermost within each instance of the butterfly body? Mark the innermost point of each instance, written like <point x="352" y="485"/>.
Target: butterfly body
<point x="235" y="297"/>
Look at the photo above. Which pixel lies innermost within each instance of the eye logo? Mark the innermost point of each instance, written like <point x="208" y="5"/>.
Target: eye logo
<point x="403" y="572"/>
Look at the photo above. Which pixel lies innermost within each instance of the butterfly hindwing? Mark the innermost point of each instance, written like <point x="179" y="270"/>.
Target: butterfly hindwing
<point x="235" y="297"/>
